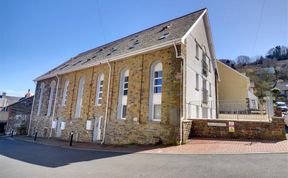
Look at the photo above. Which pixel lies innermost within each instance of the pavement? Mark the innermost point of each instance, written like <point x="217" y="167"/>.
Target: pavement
<point x="29" y="160"/>
<point x="193" y="146"/>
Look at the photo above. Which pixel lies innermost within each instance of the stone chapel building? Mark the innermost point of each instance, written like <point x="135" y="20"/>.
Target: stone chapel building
<point x="138" y="89"/>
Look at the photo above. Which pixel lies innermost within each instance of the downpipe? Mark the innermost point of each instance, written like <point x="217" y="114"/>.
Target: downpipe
<point x="107" y="100"/>
<point x="54" y="106"/>
<point x="183" y="81"/>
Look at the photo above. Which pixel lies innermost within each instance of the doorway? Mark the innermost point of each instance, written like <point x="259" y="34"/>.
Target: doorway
<point x="58" y="128"/>
<point x="97" y="129"/>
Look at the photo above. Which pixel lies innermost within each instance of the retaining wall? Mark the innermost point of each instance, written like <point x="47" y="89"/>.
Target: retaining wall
<point x="266" y="130"/>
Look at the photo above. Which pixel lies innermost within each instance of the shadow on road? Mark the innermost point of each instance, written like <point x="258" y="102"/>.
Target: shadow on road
<point x="48" y="156"/>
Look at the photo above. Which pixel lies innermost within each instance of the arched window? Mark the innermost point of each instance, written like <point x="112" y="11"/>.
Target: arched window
<point x="79" y="97"/>
<point x="123" y="92"/>
<point x="65" y="90"/>
<point x="155" y="97"/>
<point x="51" y="96"/>
<point x="99" y="92"/>
<point x="40" y="98"/>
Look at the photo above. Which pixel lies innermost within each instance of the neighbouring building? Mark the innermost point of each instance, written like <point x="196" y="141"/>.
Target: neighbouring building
<point x="235" y="91"/>
<point x="283" y="87"/>
<point x="19" y="115"/>
<point x="5" y="100"/>
<point x="137" y="89"/>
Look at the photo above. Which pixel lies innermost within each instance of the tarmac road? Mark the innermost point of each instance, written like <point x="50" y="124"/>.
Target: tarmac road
<point x="23" y="159"/>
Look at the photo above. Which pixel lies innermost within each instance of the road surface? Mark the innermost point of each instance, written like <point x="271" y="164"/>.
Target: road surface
<point x="24" y="159"/>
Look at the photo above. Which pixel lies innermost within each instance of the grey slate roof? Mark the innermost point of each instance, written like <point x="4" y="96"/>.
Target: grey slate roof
<point x="167" y="31"/>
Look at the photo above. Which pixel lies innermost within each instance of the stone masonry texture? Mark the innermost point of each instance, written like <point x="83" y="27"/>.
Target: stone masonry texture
<point x="19" y="116"/>
<point x="273" y="130"/>
<point x="137" y="128"/>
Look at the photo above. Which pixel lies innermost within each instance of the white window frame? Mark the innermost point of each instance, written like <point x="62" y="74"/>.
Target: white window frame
<point x="79" y="97"/>
<point x="123" y="99"/>
<point x="42" y="86"/>
<point x="155" y="98"/>
<point x="197" y="49"/>
<point x="197" y="82"/>
<point x="99" y="92"/>
<point x="65" y="90"/>
<point x="51" y="96"/>
<point x="210" y="89"/>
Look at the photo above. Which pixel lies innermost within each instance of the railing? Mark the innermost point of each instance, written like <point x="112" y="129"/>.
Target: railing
<point x="229" y="109"/>
<point x="243" y="109"/>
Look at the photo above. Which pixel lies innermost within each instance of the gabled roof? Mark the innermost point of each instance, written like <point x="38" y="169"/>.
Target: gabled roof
<point x="162" y="34"/>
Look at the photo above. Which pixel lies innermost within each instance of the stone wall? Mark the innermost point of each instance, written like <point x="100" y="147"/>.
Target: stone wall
<point x="137" y="128"/>
<point x="273" y="130"/>
<point x="186" y="126"/>
<point x="42" y="123"/>
<point x="19" y="116"/>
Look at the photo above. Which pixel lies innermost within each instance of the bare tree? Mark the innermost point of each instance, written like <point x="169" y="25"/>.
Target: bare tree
<point x="243" y="60"/>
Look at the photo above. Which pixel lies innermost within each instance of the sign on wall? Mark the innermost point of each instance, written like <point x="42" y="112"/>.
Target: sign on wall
<point x="231" y="127"/>
<point x="215" y="124"/>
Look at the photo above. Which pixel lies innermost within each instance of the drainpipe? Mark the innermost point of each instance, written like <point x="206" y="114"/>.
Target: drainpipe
<point x="107" y="100"/>
<point x="54" y="106"/>
<point x="31" y="113"/>
<point x="184" y="91"/>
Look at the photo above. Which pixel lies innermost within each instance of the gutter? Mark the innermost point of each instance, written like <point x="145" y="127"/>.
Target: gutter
<point x="55" y="102"/>
<point x="183" y="71"/>
<point x="32" y="109"/>
<point x="107" y="100"/>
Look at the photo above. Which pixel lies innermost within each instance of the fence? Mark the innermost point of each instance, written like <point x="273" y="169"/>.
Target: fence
<point x="247" y="109"/>
<point x="231" y="109"/>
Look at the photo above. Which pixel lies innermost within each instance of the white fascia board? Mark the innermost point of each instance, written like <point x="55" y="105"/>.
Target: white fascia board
<point x="192" y="27"/>
<point x="123" y="56"/>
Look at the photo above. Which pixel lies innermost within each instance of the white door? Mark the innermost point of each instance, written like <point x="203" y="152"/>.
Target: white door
<point x="58" y="128"/>
<point x="97" y="129"/>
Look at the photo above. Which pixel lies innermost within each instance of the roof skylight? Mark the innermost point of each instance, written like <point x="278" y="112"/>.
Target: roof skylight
<point x="164" y="28"/>
<point x="165" y="35"/>
<point x="78" y="62"/>
<point x="111" y="51"/>
<point x="136" y="42"/>
<point x="87" y="60"/>
<point x="64" y="67"/>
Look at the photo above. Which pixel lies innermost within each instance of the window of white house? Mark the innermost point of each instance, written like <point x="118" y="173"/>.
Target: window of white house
<point x="155" y="98"/>
<point x="51" y="96"/>
<point x="79" y="97"/>
<point x="65" y="90"/>
<point x="210" y="89"/>
<point x="123" y="93"/>
<point x="99" y="93"/>
<point x="211" y="113"/>
<point x="209" y="64"/>
<point x="197" y="51"/>
<point x="197" y="82"/>
<point x="204" y="56"/>
<point x="40" y="99"/>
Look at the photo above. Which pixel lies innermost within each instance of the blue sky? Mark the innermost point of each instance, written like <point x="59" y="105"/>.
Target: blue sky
<point x="37" y="35"/>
